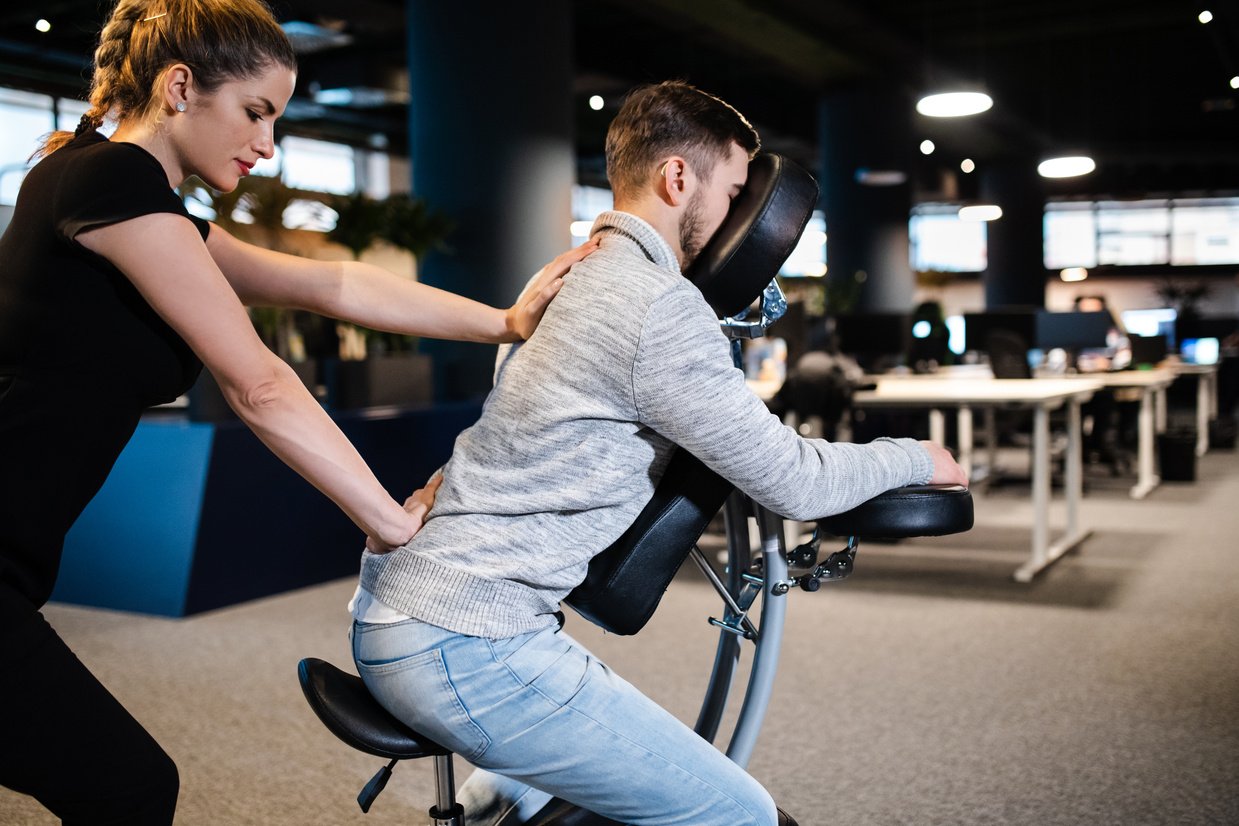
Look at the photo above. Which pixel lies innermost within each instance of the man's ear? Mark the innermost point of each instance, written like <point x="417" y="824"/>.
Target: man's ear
<point x="176" y="86"/>
<point x="675" y="180"/>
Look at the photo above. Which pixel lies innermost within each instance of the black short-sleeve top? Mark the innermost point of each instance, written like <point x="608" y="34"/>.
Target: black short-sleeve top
<point x="82" y="354"/>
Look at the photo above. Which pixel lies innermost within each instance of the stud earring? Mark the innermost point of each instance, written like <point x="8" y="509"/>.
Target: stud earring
<point x="180" y="107"/>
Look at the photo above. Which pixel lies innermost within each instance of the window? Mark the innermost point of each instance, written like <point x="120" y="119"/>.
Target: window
<point x="27" y="118"/>
<point x="1133" y="232"/>
<point x="808" y="258"/>
<point x="1205" y="231"/>
<point x="588" y="202"/>
<point x="1070" y="233"/>
<point x="941" y="242"/>
<point x="318" y="165"/>
<point x="1182" y="232"/>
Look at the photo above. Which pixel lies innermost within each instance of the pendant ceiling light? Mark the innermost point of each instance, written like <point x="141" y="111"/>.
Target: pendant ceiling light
<point x="954" y="104"/>
<point x="1068" y="166"/>
<point x="980" y="212"/>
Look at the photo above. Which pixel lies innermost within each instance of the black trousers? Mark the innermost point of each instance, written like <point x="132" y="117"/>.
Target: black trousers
<point x="65" y="740"/>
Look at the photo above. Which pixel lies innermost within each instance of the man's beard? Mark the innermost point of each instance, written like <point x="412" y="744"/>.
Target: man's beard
<point x="691" y="223"/>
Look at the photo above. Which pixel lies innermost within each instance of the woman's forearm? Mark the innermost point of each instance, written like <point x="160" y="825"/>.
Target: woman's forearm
<point x="288" y="420"/>
<point x="375" y="298"/>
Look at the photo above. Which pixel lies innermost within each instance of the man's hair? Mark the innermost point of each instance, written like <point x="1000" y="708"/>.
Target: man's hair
<point x="672" y="118"/>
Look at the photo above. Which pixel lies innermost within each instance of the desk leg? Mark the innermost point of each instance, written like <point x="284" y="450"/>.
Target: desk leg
<point x="1075" y="467"/>
<point x="937" y="427"/>
<point x="1147" y="478"/>
<point x="991" y="441"/>
<point x="1202" y="414"/>
<point x="964" y="426"/>
<point x="1040" y="494"/>
<point x="1044" y="553"/>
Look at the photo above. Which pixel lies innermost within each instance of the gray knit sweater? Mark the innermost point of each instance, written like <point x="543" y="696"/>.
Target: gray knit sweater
<point x="627" y="362"/>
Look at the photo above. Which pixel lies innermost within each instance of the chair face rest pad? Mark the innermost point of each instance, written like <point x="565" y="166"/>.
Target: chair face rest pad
<point x="916" y="510"/>
<point x="760" y="231"/>
<point x="347" y="708"/>
<point x="626" y="581"/>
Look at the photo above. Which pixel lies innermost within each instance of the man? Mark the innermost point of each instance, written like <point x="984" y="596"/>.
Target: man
<point x="457" y="633"/>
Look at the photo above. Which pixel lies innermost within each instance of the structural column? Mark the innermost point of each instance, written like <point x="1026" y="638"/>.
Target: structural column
<point x="865" y="135"/>
<point x="1015" y="269"/>
<point x="490" y="141"/>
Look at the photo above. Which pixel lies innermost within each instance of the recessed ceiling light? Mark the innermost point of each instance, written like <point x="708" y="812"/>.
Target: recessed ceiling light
<point x="927" y="147"/>
<point x="42" y="25"/>
<point x="980" y="212"/>
<point x="596" y="102"/>
<point x="954" y="104"/>
<point x="967" y="165"/>
<point x="1234" y="82"/>
<point x="1066" y="167"/>
<point x="1205" y="16"/>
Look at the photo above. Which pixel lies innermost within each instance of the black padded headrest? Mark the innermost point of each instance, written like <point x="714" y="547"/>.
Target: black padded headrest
<point x="766" y="220"/>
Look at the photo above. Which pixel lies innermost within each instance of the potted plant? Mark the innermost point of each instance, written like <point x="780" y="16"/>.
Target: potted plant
<point x="254" y="212"/>
<point x="380" y="368"/>
<point x="1185" y="297"/>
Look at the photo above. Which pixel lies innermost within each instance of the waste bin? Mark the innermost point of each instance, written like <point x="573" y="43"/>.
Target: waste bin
<point x="1222" y="433"/>
<point x="1177" y="453"/>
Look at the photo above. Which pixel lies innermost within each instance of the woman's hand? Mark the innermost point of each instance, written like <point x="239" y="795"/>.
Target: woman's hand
<point x="417" y="506"/>
<point x="522" y="317"/>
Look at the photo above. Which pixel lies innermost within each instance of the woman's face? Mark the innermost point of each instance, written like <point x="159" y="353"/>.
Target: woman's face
<point x="226" y="132"/>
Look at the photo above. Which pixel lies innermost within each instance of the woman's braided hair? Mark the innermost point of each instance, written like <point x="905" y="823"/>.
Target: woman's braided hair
<point x="219" y="40"/>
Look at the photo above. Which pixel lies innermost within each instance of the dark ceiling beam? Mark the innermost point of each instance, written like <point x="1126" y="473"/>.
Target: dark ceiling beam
<point x="747" y="30"/>
<point x="23" y="14"/>
<point x="988" y="33"/>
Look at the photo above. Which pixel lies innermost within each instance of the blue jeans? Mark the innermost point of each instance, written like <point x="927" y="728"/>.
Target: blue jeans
<point x="547" y="718"/>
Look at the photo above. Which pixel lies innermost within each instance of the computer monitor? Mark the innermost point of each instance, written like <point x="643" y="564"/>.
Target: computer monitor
<point x="1147" y="349"/>
<point x="1200" y="350"/>
<point x="871" y="337"/>
<point x="955" y="330"/>
<point x="979" y="326"/>
<point x="1152" y="322"/>
<point x="1074" y="330"/>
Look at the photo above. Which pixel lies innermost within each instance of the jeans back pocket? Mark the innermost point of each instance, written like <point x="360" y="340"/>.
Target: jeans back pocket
<point x="418" y="690"/>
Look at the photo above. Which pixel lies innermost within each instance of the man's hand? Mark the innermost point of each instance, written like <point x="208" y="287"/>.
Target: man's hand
<point x="524" y="315"/>
<point x="946" y="470"/>
<point x="416" y="506"/>
<point x="423" y="499"/>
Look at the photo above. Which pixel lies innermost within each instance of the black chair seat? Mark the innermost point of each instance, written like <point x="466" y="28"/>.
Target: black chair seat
<point x="916" y="510"/>
<point x="346" y="707"/>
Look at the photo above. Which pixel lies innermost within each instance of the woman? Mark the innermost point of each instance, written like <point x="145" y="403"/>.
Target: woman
<point x="111" y="299"/>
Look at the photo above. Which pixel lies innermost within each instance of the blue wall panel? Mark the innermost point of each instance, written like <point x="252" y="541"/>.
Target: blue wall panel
<point x="133" y="546"/>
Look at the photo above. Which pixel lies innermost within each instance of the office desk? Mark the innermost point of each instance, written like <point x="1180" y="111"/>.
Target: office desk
<point x="1151" y="385"/>
<point x="1041" y="396"/>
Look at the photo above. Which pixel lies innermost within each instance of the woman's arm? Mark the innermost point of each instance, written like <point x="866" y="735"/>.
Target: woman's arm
<point x="375" y="298"/>
<point x="163" y="255"/>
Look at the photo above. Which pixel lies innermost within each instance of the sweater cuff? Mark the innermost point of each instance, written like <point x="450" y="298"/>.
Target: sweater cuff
<point x="922" y="463"/>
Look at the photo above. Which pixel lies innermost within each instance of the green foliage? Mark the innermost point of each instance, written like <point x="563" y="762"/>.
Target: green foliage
<point x="360" y="222"/>
<point x="411" y="225"/>
<point x="1184" y="296"/>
